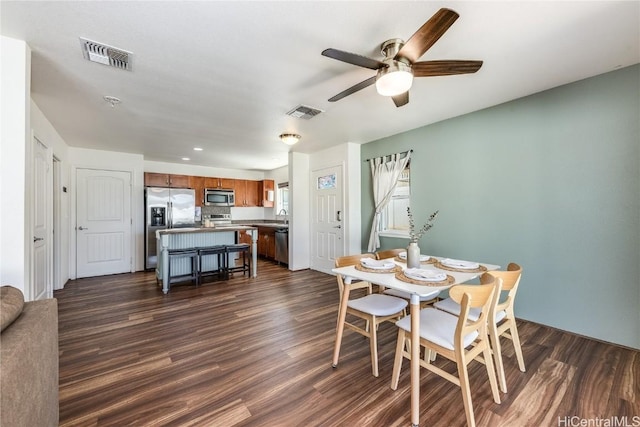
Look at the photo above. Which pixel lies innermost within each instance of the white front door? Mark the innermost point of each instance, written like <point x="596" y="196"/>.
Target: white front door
<point x="327" y="227"/>
<point x="41" y="273"/>
<point x="103" y="222"/>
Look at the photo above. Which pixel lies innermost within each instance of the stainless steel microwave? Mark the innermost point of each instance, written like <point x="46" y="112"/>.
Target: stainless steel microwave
<point x="219" y="197"/>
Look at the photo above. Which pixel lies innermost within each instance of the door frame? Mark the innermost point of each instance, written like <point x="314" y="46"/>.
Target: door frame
<point x="345" y="213"/>
<point x="73" y="245"/>
<point x="35" y="139"/>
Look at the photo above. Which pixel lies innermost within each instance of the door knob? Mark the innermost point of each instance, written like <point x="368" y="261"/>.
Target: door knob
<point x="37" y="239"/>
<point x="82" y="228"/>
<point x="338" y="226"/>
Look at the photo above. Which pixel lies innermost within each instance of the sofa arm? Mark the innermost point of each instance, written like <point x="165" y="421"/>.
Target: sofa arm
<point x="29" y="374"/>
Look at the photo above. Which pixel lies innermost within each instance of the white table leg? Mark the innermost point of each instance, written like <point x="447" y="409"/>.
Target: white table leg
<point x="415" y="360"/>
<point x="254" y="252"/>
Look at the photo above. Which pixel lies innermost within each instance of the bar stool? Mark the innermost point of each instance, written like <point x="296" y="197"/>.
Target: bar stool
<point x="245" y="267"/>
<point x="176" y="256"/>
<point x="220" y="269"/>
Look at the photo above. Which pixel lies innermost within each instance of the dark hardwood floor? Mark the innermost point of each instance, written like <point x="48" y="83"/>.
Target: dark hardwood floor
<point x="257" y="352"/>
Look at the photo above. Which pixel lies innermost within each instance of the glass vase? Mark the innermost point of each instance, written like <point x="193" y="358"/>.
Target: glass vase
<point x="413" y="255"/>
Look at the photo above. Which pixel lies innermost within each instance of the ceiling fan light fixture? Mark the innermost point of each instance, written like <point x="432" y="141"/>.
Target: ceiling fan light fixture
<point x="395" y="79"/>
<point x="289" y="138"/>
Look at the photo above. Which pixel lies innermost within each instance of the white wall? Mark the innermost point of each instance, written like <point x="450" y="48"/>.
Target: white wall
<point x="278" y="176"/>
<point x="299" y="228"/>
<point x="14" y="229"/>
<point x="109" y="160"/>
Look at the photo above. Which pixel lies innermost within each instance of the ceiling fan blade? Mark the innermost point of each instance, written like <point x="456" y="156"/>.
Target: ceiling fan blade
<point x="352" y="58"/>
<point x="427" y="35"/>
<point x="444" y="68"/>
<point x="402" y="99"/>
<point x="353" y="89"/>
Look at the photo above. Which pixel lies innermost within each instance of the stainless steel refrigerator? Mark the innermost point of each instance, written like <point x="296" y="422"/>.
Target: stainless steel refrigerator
<point x="165" y="208"/>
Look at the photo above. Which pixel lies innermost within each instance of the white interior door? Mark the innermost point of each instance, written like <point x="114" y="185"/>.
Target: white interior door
<point x="327" y="227"/>
<point x="103" y="222"/>
<point x="41" y="273"/>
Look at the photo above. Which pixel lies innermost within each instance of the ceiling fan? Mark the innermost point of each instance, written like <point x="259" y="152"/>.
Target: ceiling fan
<point x="395" y="73"/>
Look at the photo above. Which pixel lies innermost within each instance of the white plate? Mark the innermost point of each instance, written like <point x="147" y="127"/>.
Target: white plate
<point x="456" y="263"/>
<point x="423" y="258"/>
<point x="425" y="275"/>
<point x="377" y="264"/>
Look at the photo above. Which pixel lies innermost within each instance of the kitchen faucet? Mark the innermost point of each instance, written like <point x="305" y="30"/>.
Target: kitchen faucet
<point x="286" y="220"/>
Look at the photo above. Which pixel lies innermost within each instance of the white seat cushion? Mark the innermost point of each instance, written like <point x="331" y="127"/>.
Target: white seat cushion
<point x="438" y="327"/>
<point x="450" y="306"/>
<point x="407" y="295"/>
<point x="378" y="304"/>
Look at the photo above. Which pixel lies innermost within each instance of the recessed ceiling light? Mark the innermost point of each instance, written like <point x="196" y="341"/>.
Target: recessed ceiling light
<point x="197" y="149"/>
<point x="186" y="158"/>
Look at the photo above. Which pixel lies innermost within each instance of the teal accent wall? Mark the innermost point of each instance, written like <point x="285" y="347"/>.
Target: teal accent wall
<point x="550" y="181"/>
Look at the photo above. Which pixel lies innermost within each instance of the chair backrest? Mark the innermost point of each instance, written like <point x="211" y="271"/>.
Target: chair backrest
<point x="388" y="253"/>
<point x="510" y="282"/>
<point x="345" y="261"/>
<point x="483" y="296"/>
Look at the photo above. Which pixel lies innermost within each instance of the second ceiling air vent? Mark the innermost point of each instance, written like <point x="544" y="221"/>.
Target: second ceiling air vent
<point x="105" y="54"/>
<point x="304" y="112"/>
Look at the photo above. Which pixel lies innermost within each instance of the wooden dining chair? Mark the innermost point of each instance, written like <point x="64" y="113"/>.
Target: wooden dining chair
<point x="505" y="320"/>
<point x="458" y="338"/>
<point x="372" y="308"/>
<point x="425" y="300"/>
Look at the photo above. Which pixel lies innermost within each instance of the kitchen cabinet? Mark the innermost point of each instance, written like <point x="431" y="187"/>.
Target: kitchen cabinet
<point x="267" y="242"/>
<point x="152" y="179"/>
<point x="197" y="183"/>
<point x="225" y="183"/>
<point x="268" y="185"/>
<point x="247" y="192"/>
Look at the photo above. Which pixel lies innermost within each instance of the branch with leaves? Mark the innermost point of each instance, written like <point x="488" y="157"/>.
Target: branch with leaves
<point x="426" y="227"/>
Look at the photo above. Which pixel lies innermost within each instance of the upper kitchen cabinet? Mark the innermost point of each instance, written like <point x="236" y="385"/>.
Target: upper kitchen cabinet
<point x="225" y="183"/>
<point x="152" y="179"/>
<point x="247" y="192"/>
<point x="268" y="186"/>
<point x="198" y="184"/>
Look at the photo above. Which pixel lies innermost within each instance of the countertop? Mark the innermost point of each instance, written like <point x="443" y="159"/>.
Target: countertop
<point x="233" y="227"/>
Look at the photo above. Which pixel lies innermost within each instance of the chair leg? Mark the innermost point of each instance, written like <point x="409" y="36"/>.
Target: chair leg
<point x="397" y="361"/>
<point x="488" y="361"/>
<point x="463" y="375"/>
<point x="494" y="339"/>
<point x="516" y="344"/>
<point x="373" y="343"/>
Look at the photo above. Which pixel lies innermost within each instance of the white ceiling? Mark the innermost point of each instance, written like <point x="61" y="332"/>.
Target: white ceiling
<point x="222" y="75"/>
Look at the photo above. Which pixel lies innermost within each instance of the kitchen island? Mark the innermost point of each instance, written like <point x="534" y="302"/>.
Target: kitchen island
<point x="184" y="238"/>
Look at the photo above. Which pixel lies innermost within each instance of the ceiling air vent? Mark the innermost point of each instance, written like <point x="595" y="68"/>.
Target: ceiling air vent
<point x="304" y="112"/>
<point x="105" y="54"/>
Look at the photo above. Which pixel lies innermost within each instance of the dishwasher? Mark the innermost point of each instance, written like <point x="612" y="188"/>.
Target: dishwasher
<point x="282" y="246"/>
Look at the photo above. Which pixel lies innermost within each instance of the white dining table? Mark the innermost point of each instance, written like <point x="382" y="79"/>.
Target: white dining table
<point x="389" y="280"/>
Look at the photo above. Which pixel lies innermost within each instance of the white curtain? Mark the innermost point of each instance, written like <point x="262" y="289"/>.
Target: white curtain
<point x="385" y="176"/>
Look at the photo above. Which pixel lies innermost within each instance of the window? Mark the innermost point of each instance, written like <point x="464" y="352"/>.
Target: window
<point x="283" y="198"/>
<point x="395" y="221"/>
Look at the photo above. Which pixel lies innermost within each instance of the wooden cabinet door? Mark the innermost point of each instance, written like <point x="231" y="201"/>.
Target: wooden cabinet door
<point x="210" y="182"/>
<point x="240" y="187"/>
<point x="262" y="242"/>
<point x="253" y="194"/>
<point x="179" y="181"/>
<point x="271" y="245"/>
<point x="197" y="183"/>
<point x="267" y="186"/>
<point x="227" y="183"/>
<point x="152" y="179"/>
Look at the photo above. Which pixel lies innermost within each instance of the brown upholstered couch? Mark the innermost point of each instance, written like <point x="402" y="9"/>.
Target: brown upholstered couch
<point x="28" y="360"/>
